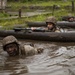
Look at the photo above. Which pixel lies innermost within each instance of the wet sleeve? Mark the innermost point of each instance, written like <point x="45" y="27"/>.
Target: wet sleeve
<point x="57" y="30"/>
<point x="29" y="50"/>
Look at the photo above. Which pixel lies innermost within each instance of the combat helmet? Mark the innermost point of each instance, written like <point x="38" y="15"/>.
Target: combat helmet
<point x="70" y="16"/>
<point x="51" y="19"/>
<point x="8" y="40"/>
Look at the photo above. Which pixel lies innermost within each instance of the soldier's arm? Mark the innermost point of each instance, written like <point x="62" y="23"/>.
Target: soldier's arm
<point x="29" y="50"/>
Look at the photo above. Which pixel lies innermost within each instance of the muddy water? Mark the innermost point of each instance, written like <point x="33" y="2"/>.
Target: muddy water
<point x="57" y="59"/>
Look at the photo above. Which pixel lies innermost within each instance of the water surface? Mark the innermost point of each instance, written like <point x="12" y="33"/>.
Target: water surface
<point x="57" y="59"/>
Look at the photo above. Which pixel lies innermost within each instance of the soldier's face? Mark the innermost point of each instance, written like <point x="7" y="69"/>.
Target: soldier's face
<point x="12" y="49"/>
<point x="50" y="25"/>
<point x="71" y="19"/>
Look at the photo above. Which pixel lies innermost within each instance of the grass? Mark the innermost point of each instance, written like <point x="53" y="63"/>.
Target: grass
<point x="18" y="5"/>
<point x="3" y="14"/>
<point x="40" y="3"/>
<point x="10" y="23"/>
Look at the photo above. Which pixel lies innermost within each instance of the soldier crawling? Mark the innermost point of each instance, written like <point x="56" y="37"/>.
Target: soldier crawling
<point x="50" y="25"/>
<point x="13" y="48"/>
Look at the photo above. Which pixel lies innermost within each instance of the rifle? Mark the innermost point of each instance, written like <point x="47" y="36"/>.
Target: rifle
<point x="29" y="30"/>
<point x="20" y="29"/>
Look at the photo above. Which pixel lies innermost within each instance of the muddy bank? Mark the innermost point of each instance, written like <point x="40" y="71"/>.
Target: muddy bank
<point x="57" y="59"/>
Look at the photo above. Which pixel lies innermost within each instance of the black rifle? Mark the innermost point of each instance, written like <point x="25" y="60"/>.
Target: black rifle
<point x="20" y="29"/>
<point x="29" y="29"/>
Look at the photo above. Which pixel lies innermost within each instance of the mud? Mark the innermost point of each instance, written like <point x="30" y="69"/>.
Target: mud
<point x="57" y="59"/>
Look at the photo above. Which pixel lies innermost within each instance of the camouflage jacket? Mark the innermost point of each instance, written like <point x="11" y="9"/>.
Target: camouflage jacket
<point x="27" y="50"/>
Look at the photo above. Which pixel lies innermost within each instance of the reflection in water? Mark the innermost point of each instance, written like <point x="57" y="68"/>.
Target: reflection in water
<point x="57" y="59"/>
<point x="13" y="66"/>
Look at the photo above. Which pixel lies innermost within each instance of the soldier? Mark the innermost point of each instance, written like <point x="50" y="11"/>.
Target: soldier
<point x="71" y="19"/>
<point x="51" y="24"/>
<point x="14" y="48"/>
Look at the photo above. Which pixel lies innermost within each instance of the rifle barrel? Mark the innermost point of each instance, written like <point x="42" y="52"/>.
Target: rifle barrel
<point x="27" y="29"/>
<point x="19" y="29"/>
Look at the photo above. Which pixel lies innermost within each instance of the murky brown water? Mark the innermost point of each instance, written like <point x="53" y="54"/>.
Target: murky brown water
<point x="57" y="59"/>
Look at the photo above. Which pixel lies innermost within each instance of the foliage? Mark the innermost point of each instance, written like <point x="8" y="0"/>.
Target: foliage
<point x="18" y="4"/>
<point x="3" y="14"/>
<point x="28" y="4"/>
<point x="11" y="22"/>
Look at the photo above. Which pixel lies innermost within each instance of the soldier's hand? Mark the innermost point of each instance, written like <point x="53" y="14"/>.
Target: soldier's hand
<point x="40" y="50"/>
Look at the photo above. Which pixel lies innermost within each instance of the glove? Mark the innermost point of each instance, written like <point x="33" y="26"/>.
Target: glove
<point x="40" y="50"/>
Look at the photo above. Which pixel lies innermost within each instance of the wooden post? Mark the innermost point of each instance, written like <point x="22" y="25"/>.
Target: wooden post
<point x="53" y="9"/>
<point x="20" y="13"/>
<point x="2" y="4"/>
<point x="72" y="6"/>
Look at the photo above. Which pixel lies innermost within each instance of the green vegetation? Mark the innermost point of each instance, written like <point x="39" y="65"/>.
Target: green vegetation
<point x="3" y="14"/>
<point x="10" y="23"/>
<point x="17" y="5"/>
<point x="49" y="3"/>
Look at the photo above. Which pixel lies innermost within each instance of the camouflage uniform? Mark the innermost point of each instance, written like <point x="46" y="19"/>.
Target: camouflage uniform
<point x="26" y="50"/>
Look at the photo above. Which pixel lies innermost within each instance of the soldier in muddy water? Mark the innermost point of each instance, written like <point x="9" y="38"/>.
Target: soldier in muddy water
<point x="57" y="59"/>
<point x="13" y="48"/>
